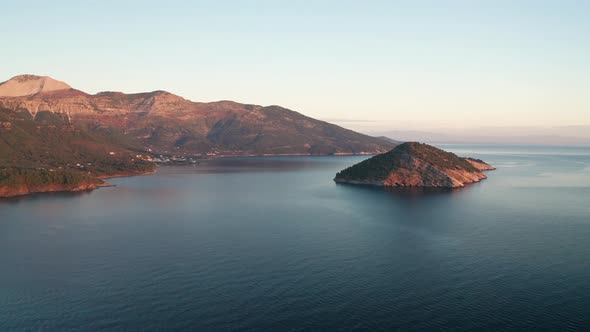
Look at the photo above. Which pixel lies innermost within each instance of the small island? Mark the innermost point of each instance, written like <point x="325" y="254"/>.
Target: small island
<point x="415" y="164"/>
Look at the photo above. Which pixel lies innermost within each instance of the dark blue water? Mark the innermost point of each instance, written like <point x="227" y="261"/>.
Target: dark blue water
<point x="273" y="244"/>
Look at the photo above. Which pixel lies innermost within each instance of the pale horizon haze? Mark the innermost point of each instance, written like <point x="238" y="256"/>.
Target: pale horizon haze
<point x="372" y="65"/>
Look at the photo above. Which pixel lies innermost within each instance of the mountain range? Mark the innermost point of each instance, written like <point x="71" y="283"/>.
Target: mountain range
<point x="169" y="124"/>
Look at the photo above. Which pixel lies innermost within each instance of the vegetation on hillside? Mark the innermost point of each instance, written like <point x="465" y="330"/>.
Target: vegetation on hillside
<point x="380" y="166"/>
<point x="288" y="132"/>
<point x="15" y="177"/>
<point x="48" y="150"/>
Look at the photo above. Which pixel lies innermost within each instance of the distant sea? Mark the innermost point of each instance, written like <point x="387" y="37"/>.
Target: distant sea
<point x="273" y="244"/>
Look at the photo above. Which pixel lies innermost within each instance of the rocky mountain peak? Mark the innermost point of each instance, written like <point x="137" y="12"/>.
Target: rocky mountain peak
<point x="25" y="85"/>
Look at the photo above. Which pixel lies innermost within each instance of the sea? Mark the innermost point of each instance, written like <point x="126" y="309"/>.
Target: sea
<point x="273" y="244"/>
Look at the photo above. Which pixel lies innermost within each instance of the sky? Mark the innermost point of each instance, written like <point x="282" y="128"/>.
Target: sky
<point x="366" y="65"/>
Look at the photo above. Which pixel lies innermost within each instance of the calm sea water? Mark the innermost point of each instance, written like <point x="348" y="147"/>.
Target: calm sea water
<point x="273" y="244"/>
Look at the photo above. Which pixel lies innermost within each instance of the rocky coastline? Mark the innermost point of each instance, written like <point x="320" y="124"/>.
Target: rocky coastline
<point x="23" y="188"/>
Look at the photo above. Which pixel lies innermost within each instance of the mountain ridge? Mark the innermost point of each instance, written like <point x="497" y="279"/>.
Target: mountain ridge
<point x="170" y="124"/>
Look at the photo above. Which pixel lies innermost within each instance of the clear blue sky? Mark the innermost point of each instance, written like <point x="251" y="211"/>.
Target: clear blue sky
<point x="370" y="64"/>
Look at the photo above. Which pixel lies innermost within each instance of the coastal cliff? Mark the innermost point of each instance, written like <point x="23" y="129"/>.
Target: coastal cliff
<point x="415" y="165"/>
